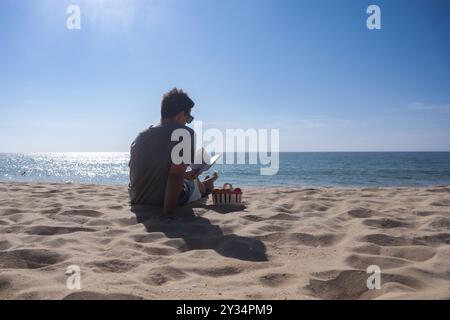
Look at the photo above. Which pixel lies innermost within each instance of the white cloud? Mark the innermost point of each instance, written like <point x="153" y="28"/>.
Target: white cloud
<point x="444" y="108"/>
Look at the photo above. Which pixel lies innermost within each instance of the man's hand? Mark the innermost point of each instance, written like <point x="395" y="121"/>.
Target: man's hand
<point x="191" y="174"/>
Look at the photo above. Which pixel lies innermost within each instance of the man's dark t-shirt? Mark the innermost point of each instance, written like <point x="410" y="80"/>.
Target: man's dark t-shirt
<point x="150" y="161"/>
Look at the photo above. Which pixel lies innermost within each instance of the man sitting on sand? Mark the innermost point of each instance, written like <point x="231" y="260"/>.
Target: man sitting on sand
<point x="154" y="178"/>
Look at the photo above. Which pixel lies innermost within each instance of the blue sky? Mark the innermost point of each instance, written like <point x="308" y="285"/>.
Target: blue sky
<point x="309" y="68"/>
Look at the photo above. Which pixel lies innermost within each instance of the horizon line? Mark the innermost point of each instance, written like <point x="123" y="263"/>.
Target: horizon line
<point x="282" y="151"/>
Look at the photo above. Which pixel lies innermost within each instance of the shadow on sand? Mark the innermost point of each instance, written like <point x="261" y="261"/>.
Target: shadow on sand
<point x="199" y="233"/>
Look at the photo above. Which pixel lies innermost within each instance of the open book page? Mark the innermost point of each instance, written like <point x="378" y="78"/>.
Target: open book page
<point x="203" y="161"/>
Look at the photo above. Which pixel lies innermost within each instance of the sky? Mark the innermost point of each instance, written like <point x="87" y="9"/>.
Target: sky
<point x="311" y="69"/>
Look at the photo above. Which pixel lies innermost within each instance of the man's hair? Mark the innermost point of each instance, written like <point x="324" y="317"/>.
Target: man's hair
<point x="174" y="102"/>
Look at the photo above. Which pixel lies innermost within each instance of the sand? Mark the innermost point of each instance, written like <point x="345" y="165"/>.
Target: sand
<point x="282" y="243"/>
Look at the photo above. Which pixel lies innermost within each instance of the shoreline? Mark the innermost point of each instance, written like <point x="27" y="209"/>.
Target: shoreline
<point x="240" y="185"/>
<point x="283" y="243"/>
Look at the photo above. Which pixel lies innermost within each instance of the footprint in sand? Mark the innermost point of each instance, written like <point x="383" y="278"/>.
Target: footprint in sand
<point x="29" y="258"/>
<point x="352" y="284"/>
<point x="360" y="213"/>
<point x="4" y="245"/>
<point x="347" y="284"/>
<point x="315" y="207"/>
<point x="5" y="283"/>
<point x="276" y="279"/>
<point x="162" y="275"/>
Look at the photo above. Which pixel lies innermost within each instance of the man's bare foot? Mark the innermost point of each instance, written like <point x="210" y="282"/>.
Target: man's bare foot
<point x="214" y="177"/>
<point x="209" y="183"/>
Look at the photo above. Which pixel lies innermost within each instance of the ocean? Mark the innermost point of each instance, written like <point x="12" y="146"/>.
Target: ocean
<point x="296" y="169"/>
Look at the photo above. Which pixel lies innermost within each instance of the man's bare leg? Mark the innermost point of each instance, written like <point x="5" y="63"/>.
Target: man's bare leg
<point x="207" y="185"/>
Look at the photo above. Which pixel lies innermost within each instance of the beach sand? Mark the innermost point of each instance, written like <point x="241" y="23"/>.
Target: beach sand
<point x="283" y="243"/>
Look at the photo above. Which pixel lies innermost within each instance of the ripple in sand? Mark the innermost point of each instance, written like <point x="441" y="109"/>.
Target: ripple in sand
<point x="413" y="253"/>
<point x="384" y="262"/>
<point x="427" y="240"/>
<point x="284" y="216"/>
<point x="305" y="239"/>
<point x="9" y="211"/>
<point x="148" y="237"/>
<point x="253" y="218"/>
<point x="217" y="271"/>
<point x="386" y="223"/>
<point x="113" y="265"/>
<point x="90" y="295"/>
<point x="441" y="203"/>
<point x="83" y="213"/>
<point x="161" y="251"/>
<point x="433" y="239"/>
<point x="50" y="231"/>
<point x="440" y="223"/>
<point x="385" y="240"/>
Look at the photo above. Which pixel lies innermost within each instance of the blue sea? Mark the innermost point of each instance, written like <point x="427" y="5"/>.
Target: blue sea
<point x="295" y="169"/>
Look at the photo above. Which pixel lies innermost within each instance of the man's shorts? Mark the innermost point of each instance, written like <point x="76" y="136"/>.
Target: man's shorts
<point x="191" y="192"/>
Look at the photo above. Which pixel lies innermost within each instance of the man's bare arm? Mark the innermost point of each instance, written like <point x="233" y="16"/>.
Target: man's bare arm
<point x="174" y="187"/>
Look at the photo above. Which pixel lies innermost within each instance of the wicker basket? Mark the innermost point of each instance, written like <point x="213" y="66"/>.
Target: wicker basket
<point x="227" y="195"/>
